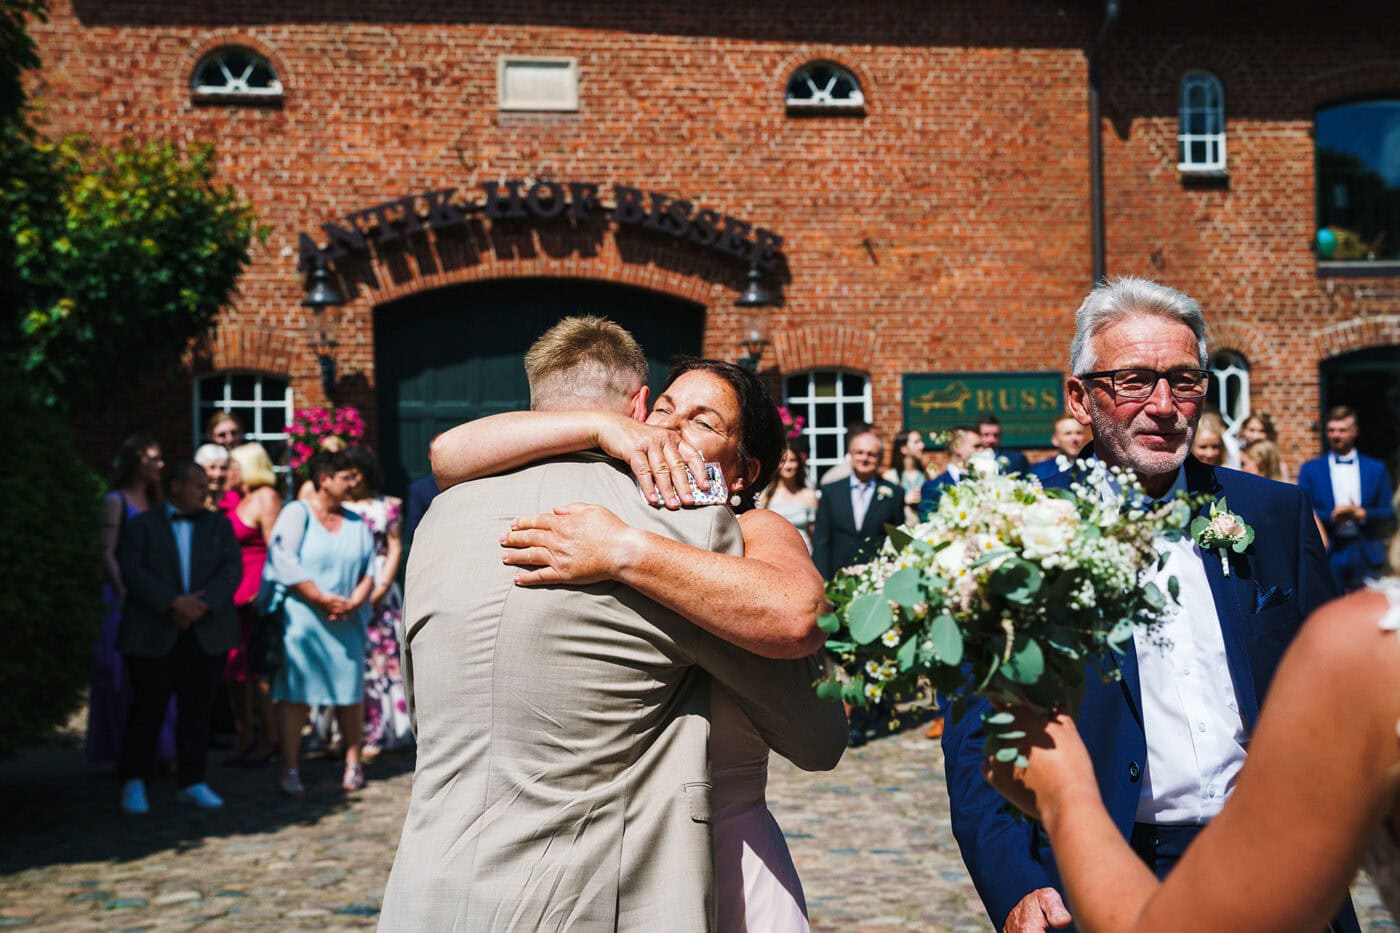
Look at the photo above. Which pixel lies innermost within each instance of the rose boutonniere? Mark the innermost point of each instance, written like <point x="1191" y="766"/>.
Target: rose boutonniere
<point x="883" y="492"/>
<point x="1222" y="531"/>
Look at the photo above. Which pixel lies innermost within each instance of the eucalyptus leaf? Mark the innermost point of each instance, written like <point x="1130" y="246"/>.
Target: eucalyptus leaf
<point x="1012" y="736"/>
<point x="1121" y="632"/>
<point x="1005" y="755"/>
<point x="1027" y="662"/>
<point x="1018" y="580"/>
<point x="989" y="557"/>
<point x="829" y="622"/>
<point x="869" y="617"/>
<point x="908" y="654"/>
<point x="1174" y="588"/>
<point x="829" y="690"/>
<point x="947" y="640"/>
<point x="899" y="538"/>
<point x="905" y="587"/>
<point x="1000" y="718"/>
<point x="1199" y="524"/>
<point x="1153" y="597"/>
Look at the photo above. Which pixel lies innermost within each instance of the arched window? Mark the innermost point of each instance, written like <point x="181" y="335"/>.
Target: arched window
<point x="824" y="86"/>
<point x="234" y="71"/>
<point x="830" y="400"/>
<point x="1229" y="390"/>
<point x="263" y="405"/>
<point x="1201" y="124"/>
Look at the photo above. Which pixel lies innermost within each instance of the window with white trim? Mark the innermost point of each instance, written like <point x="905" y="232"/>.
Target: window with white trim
<point x="1229" y="389"/>
<point x="262" y="404"/>
<point x="1201" y="124"/>
<point x="823" y="86"/>
<point x="234" y="71"/>
<point x="831" y="401"/>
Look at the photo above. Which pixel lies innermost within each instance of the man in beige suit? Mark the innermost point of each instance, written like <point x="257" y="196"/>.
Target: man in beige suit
<point x="562" y="779"/>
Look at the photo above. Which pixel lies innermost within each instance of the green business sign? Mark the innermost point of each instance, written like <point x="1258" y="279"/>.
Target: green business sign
<point x="1026" y="404"/>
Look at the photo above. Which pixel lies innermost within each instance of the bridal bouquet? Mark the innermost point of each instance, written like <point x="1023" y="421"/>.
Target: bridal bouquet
<point x="1007" y="590"/>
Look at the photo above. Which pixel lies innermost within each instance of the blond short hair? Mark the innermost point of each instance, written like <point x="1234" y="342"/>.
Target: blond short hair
<point x="584" y="362"/>
<point x="254" y="465"/>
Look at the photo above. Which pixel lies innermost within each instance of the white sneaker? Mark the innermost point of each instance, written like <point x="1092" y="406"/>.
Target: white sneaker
<point x="200" y="795"/>
<point x="134" y="797"/>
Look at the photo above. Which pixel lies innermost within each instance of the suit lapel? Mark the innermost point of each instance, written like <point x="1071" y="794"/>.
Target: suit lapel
<point x="166" y="556"/>
<point x="871" y="513"/>
<point x="841" y="508"/>
<point x="1225" y="593"/>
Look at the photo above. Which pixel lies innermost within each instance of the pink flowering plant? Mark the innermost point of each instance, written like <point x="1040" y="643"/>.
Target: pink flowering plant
<point x="792" y="424"/>
<point x="1008" y="590"/>
<point x="311" y="428"/>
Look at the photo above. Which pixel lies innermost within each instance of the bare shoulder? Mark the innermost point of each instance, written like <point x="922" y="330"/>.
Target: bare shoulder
<point x="769" y="530"/>
<point x="1343" y="649"/>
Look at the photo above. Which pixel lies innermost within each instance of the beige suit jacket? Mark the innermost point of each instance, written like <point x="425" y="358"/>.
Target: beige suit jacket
<point x="563" y="779"/>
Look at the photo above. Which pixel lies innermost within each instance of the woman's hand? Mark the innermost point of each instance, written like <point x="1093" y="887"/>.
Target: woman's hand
<point x="657" y="457"/>
<point x="1057" y="764"/>
<point x="578" y="543"/>
<point x="378" y="593"/>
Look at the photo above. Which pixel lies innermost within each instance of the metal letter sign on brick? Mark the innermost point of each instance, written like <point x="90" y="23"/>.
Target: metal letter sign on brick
<point x="1026" y="404"/>
<point x="388" y="223"/>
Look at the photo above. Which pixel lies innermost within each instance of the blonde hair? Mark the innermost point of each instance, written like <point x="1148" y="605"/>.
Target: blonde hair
<point x="584" y="362"/>
<point x="254" y="465"/>
<point x="218" y="418"/>
<point x="1265" y="456"/>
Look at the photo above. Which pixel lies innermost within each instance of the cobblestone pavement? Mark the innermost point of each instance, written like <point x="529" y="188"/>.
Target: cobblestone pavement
<point x="870" y="839"/>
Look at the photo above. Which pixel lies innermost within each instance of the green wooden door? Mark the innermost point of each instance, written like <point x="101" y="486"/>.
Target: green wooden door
<point x="453" y="354"/>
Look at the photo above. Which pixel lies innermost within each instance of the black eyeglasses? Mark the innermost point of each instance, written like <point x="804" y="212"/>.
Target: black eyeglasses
<point x="1141" y="383"/>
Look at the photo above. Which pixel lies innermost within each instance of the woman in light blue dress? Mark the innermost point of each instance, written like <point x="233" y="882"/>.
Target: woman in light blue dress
<point x="322" y="555"/>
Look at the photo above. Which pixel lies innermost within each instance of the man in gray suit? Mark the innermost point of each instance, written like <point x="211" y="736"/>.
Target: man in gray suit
<point x="181" y="566"/>
<point x="563" y="779"/>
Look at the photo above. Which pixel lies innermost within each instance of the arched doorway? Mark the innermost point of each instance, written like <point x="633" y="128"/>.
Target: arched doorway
<point x="453" y="354"/>
<point x="1369" y="381"/>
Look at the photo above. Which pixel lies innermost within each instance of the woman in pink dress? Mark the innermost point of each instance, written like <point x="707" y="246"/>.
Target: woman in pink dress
<point x="766" y="601"/>
<point x="252" y="510"/>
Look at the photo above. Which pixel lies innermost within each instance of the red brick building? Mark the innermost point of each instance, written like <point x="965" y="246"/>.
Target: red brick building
<point x="931" y="184"/>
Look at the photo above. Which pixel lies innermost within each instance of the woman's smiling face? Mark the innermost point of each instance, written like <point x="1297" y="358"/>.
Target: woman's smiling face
<point x="705" y="410"/>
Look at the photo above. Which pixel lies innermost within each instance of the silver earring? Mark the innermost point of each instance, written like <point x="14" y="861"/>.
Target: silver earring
<point x="736" y="500"/>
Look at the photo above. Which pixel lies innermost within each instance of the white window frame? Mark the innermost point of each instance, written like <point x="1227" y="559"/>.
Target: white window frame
<point x="1231" y="367"/>
<point x="567" y="102"/>
<point x="821" y="98"/>
<point x="806" y="405"/>
<point x="1212" y="106"/>
<point x="236" y="86"/>
<point x="226" y="401"/>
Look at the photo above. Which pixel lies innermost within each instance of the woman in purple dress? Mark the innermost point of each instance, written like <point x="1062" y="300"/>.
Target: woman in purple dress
<point x="135" y="488"/>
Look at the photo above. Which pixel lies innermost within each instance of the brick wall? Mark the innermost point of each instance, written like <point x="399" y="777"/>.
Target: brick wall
<point x="945" y="229"/>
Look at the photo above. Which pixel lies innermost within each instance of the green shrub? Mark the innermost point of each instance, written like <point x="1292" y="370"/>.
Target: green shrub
<point x="50" y="602"/>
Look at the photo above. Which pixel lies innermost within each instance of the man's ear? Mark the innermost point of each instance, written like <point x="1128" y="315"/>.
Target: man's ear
<point x="640" y="405"/>
<point x="1077" y="400"/>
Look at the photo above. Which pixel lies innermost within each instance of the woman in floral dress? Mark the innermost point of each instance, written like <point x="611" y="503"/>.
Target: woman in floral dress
<point x="386" y="703"/>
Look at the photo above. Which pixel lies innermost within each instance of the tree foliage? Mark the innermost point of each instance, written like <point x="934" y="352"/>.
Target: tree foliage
<point x="119" y="257"/>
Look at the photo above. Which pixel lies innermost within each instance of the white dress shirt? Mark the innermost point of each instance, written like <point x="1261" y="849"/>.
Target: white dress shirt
<point x="1346" y="488"/>
<point x="1195" y="735"/>
<point x="861" y="494"/>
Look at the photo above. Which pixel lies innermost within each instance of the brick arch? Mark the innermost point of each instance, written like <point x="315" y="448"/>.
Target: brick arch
<point x="1359" y="334"/>
<point x="837" y="55"/>
<point x="1229" y="335"/>
<point x="661" y="266"/>
<point x="1203" y="54"/>
<point x="825" y="346"/>
<point x="219" y="39"/>
<point x="1351" y="80"/>
<point x="248" y="347"/>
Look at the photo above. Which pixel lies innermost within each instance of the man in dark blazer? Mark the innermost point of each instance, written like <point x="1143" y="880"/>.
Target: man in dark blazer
<point x="853" y="511"/>
<point x="421" y="493"/>
<point x="990" y="430"/>
<point x="963" y="445"/>
<point x="181" y="565"/>
<point x="1351" y="494"/>
<point x="1168" y="739"/>
<point x="1067" y="439"/>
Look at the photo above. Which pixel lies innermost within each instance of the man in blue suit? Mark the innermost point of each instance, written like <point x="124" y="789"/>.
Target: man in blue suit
<point x="963" y="445"/>
<point x="990" y="430"/>
<point x="1067" y="438"/>
<point x="1352" y="495"/>
<point x="1168" y="739"/>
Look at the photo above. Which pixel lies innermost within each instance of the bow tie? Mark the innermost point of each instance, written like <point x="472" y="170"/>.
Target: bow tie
<point x="1343" y="461"/>
<point x="184" y="516"/>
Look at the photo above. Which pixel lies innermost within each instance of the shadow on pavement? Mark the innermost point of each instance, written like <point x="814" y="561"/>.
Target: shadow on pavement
<point x="58" y="809"/>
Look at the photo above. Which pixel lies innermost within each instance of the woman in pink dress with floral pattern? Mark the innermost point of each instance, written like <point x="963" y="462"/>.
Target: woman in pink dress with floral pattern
<point x="386" y="704"/>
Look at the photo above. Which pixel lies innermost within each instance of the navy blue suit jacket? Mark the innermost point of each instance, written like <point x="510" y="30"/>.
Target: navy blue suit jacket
<point x="421" y="493"/>
<point x="931" y="491"/>
<point x="1016" y="461"/>
<point x="1045" y="469"/>
<point x="1271" y="589"/>
<point x="836" y="541"/>
<point x="1315" y="478"/>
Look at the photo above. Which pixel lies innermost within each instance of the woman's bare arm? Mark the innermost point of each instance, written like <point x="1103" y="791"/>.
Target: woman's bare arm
<point x="112" y="507"/>
<point x="766" y="602"/>
<point x="505" y="441"/>
<point x="1323" y="771"/>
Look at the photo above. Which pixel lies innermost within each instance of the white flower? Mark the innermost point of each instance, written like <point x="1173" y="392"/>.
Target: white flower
<point x="1046" y="528"/>
<point x="890" y="638"/>
<point x="952" y="560"/>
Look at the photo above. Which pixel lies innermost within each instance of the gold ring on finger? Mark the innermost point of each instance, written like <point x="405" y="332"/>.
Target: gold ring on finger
<point x="680" y="465"/>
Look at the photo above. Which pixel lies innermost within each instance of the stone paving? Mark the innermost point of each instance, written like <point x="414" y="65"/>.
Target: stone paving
<point x="871" y="841"/>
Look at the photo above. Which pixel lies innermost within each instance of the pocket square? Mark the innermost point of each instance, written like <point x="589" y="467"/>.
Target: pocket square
<point x="1273" y="596"/>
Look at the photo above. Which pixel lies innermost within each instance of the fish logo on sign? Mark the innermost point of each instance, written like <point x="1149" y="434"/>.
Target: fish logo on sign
<point x="951" y="397"/>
